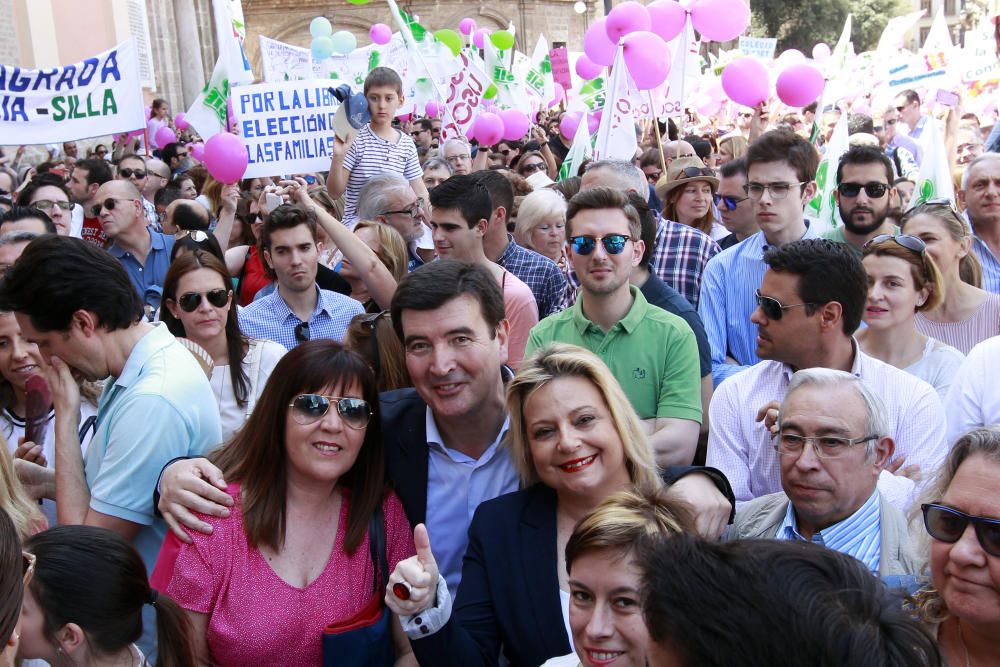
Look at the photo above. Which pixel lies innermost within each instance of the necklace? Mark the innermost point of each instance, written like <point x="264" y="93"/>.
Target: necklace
<point x="961" y="638"/>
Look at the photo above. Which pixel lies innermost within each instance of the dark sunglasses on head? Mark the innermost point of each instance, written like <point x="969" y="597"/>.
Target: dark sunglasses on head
<point x="197" y="235"/>
<point x="189" y="301"/>
<point x="947" y="524"/>
<point x="729" y="203"/>
<point x="695" y="172"/>
<point x="907" y="241"/>
<point x="874" y="189"/>
<point x="129" y="173"/>
<point x="774" y="309"/>
<point x="614" y="244"/>
<point x="528" y="169"/>
<point x="108" y="203"/>
<point x="301" y="332"/>
<point x="310" y="408"/>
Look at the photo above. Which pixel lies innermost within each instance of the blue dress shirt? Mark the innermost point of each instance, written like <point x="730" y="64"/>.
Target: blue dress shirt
<point x="270" y="318"/>
<point x="859" y="535"/>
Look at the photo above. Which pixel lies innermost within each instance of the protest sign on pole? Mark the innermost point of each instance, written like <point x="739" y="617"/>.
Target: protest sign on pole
<point x="934" y="177"/>
<point x="101" y="95"/>
<point x="287" y="127"/>
<point x="465" y="92"/>
<point x="559" y="59"/>
<point x="759" y="47"/>
<point x="284" y="62"/>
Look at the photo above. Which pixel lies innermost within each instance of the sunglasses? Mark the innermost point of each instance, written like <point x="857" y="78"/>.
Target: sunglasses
<point x="197" y="235"/>
<point x="614" y="244"/>
<point x="654" y="177"/>
<point x="301" y="332"/>
<point x="411" y="210"/>
<point x="129" y="173"/>
<point x="695" y="172"/>
<point x="729" y="203"/>
<point x="774" y="309"/>
<point x="189" y="301"/>
<point x="310" y="408"/>
<point x="108" y="203"/>
<point x="907" y="241"/>
<point x="874" y="189"/>
<point x="529" y="169"/>
<point x="48" y="204"/>
<point x="946" y="524"/>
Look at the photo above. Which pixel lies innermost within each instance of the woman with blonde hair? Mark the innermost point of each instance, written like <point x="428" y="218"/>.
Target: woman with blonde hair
<point x="968" y="314"/>
<point x="732" y="147"/>
<point x="390" y="248"/>
<point x="541" y="225"/>
<point x="16" y="502"/>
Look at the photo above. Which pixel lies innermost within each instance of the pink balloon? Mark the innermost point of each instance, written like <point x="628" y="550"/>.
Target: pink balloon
<point x="715" y="91"/>
<point x="180" y="121"/>
<point x="666" y="18"/>
<point x="488" y="128"/>
<point x="480" y="37"/>
<point x="720" y="20"/>
<point x="594" y="120"/>
<point x="799" y="85"/>
<point x="569" y="124"/>
<point x="225" y="158"/>
<point x="431" y="109"/>
<point x="745" y="81"/>
<point x="587" y="69"/>
<point x="558" y="96"/>
<point x="647" y="58"/>
<point x="821" y="52"/>
<point x="790" y="57"/>
<point x="467" y="26"/>
<point x="380" y="33"/>
<point x="515" y="124"/>
<point x="404" y="117"/>
<point x="597" y="45"/>
<point x="626" y="18"/>
<point x="149" y="112"/>
<point x="164" y="136"/>
<point x="197" y="151"/>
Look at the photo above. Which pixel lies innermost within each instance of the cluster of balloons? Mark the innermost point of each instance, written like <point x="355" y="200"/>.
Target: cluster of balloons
<point x="746" y="80"/>
<point x="491" y="127"/>
<point x="326" y="42"/>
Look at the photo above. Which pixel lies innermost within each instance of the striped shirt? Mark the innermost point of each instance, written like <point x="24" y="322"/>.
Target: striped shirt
<point x="991" y="265"/>
<point x="371" y="155"/>
<point x="965" y="335"/>
<point x="270" y="318"/>
<point x="859" y="535"/>
<point x="680" y="254"/>
<point x="728" y="299"/>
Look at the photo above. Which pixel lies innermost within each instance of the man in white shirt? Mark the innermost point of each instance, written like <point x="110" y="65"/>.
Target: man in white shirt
<point x="973" y="399"/>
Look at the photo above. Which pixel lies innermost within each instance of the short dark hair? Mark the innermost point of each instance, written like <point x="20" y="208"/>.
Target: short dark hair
<point x="165" y="195"/>
<point x="866" y="155"/>
<point x="499" y="188"/>
<point x="785" y="146"/>
<point x="828" y="271"/>
<point x="26" y="213"/>
<point x="910" y="95"/>
<point x="702" y="147"/>
<point x="40" y="181"/>
<point x="98" y="171"/>
<point x="466" y="194"/>
<point x="647" y="225"/>
<point x="132" y="156"/>
<point x="601" y="198"/>
<point x="59" y="275"/>
<point x="383" y="77"/>
<point x="432" y="285"/>
<point x="424" y="123"/>
<point x="286" y="216"/>
<point x="857" y="123"/>
<point x="191" y="215"/>
<point x="735" y="167"/>
<point x="169" y="152"/>
<point x="705" y="600"/>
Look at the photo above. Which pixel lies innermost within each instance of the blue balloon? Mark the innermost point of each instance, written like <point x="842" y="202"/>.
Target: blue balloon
<point x="344" y="42"/>
<point x="322" y="47"/>
<point x="320" y="27"/>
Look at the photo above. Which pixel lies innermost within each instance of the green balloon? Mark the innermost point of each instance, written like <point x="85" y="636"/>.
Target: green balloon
<point x="502" y="39"/>
<point x="490" y="92"/>
<point x="451" y="39"/>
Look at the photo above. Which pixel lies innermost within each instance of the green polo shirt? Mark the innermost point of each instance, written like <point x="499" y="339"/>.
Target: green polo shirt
<point x="652" y="353"/>
<point x="837" y="234"/>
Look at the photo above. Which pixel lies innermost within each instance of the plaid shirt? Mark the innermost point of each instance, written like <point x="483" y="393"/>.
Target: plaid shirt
<point x="680" y="256"/>
<point x="539" y="273"/>
<point x="270" y="318"/>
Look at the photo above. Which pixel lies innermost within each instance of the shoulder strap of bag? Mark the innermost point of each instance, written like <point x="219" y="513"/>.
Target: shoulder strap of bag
<point x="376" y="540"/>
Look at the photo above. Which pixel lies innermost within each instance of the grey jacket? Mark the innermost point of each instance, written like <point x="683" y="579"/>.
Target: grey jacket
<point x="761" y="518"/>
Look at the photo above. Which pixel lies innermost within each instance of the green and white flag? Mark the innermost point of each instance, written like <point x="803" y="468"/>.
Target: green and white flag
<point x="822" y="209"/>
<point x="934" y="177"/>
<point x="208" y="113"/>
<point x="837" y="75"/>
<point x="616" y="135"/>
<point x="581" y="150"/>
<point x="538" y="76"/>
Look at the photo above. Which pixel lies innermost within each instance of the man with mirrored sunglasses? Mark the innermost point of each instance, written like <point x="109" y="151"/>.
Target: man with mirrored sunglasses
<point x="832" y="443"/>
<point x="734" y="204"/>
<point x="863" y="195"/>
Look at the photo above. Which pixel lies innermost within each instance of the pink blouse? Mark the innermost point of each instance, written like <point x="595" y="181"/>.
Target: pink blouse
<point x="256" y="617"/>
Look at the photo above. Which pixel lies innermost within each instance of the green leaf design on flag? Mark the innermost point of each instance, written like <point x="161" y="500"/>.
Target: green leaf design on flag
<point x="546" y="65"/>
<point x="416" y="29"/>
<point x="816" y="203"/>
<point x="927" y="190"/>
<point x="373" y="60"/>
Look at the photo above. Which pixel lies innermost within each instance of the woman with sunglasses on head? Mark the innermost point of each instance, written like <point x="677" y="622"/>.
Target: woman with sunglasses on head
<point x="198" y="304"/>
<point x="962" y="518"/>
<point x="688" y="192"/>
<point x="307" y="478"/>
<point x="902" y="282"/>
<point x="371" y="335"/>
<point x="967" y="315"/>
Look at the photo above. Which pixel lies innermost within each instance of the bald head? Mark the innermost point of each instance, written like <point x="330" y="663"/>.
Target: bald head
<point x="185" y="214"/>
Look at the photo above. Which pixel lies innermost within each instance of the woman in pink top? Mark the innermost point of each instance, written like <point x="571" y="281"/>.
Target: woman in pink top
<point x="306" y="475"/>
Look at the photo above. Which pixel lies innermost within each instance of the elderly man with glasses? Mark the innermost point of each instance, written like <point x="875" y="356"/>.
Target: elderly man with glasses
<point x="458" y="155"/>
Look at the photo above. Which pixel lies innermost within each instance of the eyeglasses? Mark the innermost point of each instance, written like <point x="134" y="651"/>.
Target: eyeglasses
<point x="129" y="173"/>
<point x="29" y="567"/>
<point x="695" y="172"/>
<point x="528" y="169"/>
<point x="947" y="524"/>
<point x="729" y="203"/>
<point x="900" y="108"/>
<point x="301" y="332"/>
<point x="774" y="309"/>
<point x="614" y="244"/>
<point x="654" y="177"/>
<point x="874" y="189"/>
<point x="410" y="210"/>
<point x="108" y="203"/>
<point x="825" y="446"/>
<point x="47" y="204"/>
<point x="455" y="159"/>
<point x="189" y="301"/>
<point x="777" y="191"/>
<point x="310" y="408"/>
<point x="197" y="235"/>
<point x="746" y="114"/>
<point x="908" y="241"/>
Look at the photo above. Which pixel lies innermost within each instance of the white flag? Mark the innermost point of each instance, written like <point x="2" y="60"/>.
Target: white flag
<point x="685" y="72"/>
<point x="934" y="177"/>
<point x="230" y="31"/>
<point x="822" y="209"/>
<point x="208" y="114"/>
<point x="579" y="151"/>
<point x="616" y="135"/>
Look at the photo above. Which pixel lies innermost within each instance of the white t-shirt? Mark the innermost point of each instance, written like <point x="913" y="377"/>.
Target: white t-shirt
<point x="263" y="356"/>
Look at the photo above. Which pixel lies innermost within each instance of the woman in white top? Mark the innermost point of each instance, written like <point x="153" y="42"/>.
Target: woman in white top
<point x="968" y="315"/>
<point x="198" y="300"/>
<point x="902" y="281"/>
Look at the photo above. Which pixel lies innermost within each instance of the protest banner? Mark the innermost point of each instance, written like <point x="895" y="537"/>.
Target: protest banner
<point x="559" y="59"/>
<point x="284" y="62"/>
<point x="758" y="47"/>
<point x="99" y="96"/>
<point x="465" y="92"/>
<point x="287" y="127"/>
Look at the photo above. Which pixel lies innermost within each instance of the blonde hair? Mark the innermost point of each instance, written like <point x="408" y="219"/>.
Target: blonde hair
<point x="970" y="271"/>
<point x="535" y="208"/>
<point x="736" y="144"/>
<point x="924" y="271"/>
<point x="14" y="500"/>
<point x="563" y="360"/>
<point x="391" y="247"/>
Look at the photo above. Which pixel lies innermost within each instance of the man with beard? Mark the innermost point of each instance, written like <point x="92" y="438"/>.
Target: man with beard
<point x="864" y="189"/>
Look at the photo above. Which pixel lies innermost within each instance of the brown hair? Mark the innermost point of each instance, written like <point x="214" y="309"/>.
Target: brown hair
<point x="11" y="579"/>
<point x="383" y="77"/>
<point x="602" y="198"/>
<point x="371" y="335"/>
<point x="785" y="146"/>
<point x="922" y="269"/>
<point x="256" y="457"/>
<point x="704" y="223"/>
<point x="392" y="250"/>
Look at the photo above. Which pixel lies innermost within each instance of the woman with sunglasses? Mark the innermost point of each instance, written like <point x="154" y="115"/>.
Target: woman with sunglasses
<point x="84" y="603"/>
<point x="371" y="335"/>
<point x="902" y="282"/>
<point x="688" y="192"/>
<point x="531" y="163"/>
<point x="198" y="305"/>
<point x="307" y="478"/>
<point x="962" y="518"/>
<point x="967" y="315"/>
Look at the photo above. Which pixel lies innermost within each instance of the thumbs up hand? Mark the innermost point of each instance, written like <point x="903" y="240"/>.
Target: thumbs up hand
<point x="412" y="585"/>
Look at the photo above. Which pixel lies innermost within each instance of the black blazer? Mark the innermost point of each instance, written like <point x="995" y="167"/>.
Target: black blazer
<point x="404" y="438"/>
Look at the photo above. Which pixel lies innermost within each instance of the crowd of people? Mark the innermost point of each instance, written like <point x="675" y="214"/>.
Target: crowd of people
<point x="647" y="414"/>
